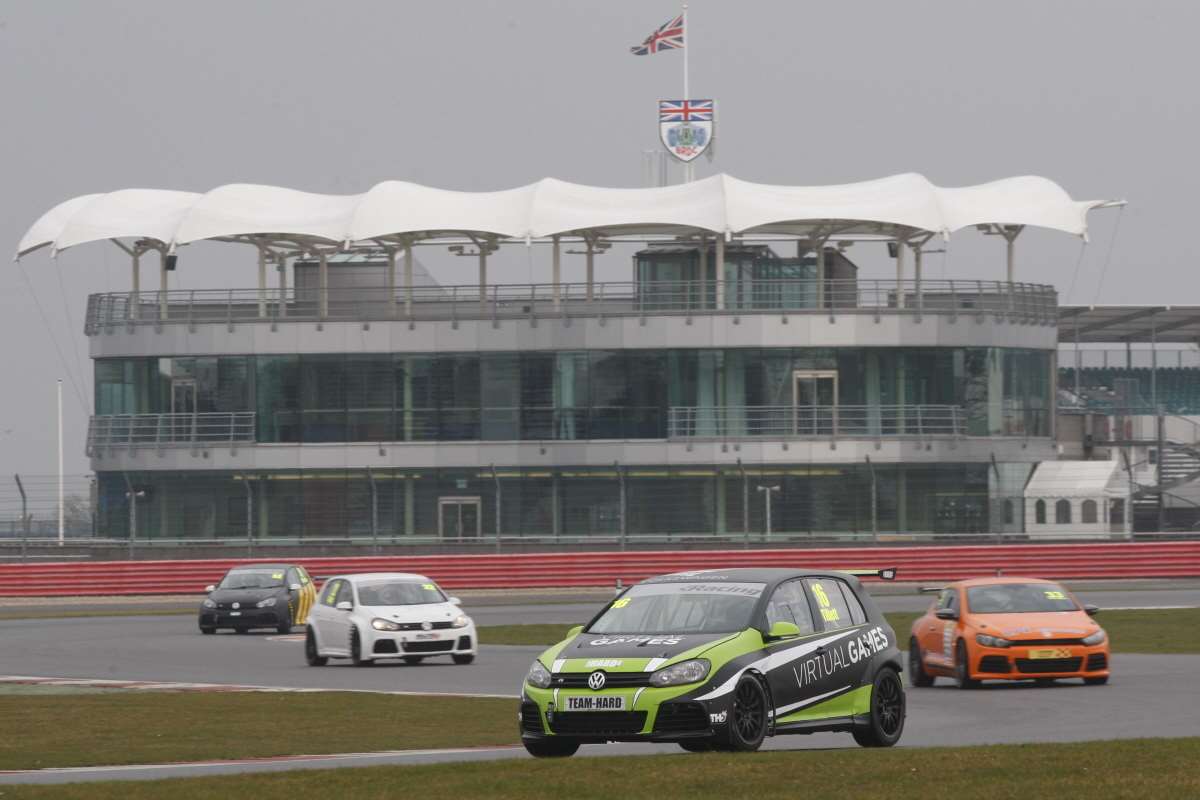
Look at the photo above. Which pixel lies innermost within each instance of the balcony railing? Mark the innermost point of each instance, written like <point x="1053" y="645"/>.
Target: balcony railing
<point x="1024" y="302"/>
<point x="170" y="430"/>
<point x="814" y="422"/>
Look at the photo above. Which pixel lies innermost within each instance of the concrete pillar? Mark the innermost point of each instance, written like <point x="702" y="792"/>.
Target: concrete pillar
<point x="162" y="279"/>
<point x="136" y="284"/>
<point x="591" y="269"/>
<point x="391" y="282"/>
<point x="703" y="266"/>
<point x="482" y="276"/>
<point x="820" y="245"/>
<point x="281" y="265"/>
<point x="408" y="277"/>
<point x="323" y="285"/>
<point x="917" y="257"/>
<point x="900" y="301"/>
<point x="719" y="272"/>
<point x="556" y="273"/>
<point x="262" y="282"/>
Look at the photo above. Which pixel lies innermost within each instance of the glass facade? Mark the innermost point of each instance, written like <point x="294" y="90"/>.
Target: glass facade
<point x="665" y="503"/>
<point x="565" y="395"/>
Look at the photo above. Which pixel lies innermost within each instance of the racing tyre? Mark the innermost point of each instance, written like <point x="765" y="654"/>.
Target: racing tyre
<point x="748" y="717"/>
<point x="551" y="748"/>
<point x="962" y="672"/>
<point x="413" y="660"/>
<point x="916" y="666"/>
<point x="463" y="658"/>
<point x="887" y="711"/>
<point x="696" y="745"/>
<point x="356" y="657"/>
<point x="311" y="654"/>
<point x="1099" y="680"/>
<point x="207" y="629"/>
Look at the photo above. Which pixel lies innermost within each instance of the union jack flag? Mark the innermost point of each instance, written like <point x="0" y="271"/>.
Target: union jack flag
<point x="668" y="37"/>
<point x="685" y="110"/>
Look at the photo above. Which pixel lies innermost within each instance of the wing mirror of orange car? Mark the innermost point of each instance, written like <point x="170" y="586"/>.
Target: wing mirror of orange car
<point x="946" y="613"/>
<point x="1091" y="610"/>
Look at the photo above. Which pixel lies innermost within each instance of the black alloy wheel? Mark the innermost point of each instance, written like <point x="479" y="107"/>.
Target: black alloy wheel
<point x="888" y="709"/>
<point x="356" y="656"/>
<point x="962" y="669"/>
<point x="463" y="658"/>
<point x="311" y="654"/>
<point x="916" y="665"/>
<point x="748" y="723"/>
<point x="551" y="747"/>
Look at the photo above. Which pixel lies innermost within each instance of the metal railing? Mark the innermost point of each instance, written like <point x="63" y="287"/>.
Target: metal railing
<point x="1025" y="302"/>
<point x="814" y="422"/>
<point x="169" y="430"/>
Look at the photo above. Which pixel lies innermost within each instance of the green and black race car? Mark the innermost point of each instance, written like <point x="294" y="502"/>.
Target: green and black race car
<point x="721" y="659"/>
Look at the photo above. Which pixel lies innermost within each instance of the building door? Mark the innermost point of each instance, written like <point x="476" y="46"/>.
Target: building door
<point x="815" y="400"/>
<point x="459" y="518"/>
<point x="183" y="406"/>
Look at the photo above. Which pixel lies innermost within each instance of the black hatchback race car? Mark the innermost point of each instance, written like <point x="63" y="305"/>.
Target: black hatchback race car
<point x="259" y="596"/>
<point x="721" y="659"/>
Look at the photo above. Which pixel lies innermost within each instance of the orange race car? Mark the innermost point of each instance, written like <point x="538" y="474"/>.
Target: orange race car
<point x="1007" y="629"/>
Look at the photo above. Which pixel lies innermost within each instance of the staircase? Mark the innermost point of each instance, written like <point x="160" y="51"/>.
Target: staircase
<point x="1180" y="465"/>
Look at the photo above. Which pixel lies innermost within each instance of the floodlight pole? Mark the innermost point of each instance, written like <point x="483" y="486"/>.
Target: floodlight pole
<point x="767" y="490"/>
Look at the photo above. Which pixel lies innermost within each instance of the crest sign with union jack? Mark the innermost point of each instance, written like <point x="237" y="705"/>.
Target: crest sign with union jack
<point x="685" y="127"/>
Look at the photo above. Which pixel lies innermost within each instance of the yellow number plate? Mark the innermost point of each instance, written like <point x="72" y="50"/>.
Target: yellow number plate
<point x="1053" y="652"/>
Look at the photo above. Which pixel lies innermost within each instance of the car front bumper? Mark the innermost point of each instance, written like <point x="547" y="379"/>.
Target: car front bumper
<point x="270" y="617"/>
<point x="398" y="644"/>
<point x="1024" y="662"/>
<point x="647" y="714"/>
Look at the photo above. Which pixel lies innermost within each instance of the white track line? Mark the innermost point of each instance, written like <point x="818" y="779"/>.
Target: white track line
<point x="116" y="683"/>
<point x="265" y="760"/>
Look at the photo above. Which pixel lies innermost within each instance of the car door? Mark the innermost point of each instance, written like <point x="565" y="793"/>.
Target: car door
<point x="787" y="604"/>
<point x="332" y="623"/>
<point x="938" y="635"/>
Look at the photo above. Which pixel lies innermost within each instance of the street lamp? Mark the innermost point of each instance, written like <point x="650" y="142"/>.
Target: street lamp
<point x="766" y="490"/>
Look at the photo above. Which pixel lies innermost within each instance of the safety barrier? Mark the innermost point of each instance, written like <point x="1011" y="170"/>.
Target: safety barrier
<point x="1175" y="559"/>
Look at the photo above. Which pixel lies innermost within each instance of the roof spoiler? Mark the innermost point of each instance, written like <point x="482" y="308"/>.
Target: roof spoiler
<point x="930" y="589"/>
<point x="888" y="574"/>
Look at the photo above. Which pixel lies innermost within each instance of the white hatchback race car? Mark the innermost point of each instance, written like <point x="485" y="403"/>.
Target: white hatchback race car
<point x="387" y="615"/>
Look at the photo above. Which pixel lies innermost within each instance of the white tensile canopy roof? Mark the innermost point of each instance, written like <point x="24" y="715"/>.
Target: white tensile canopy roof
<point x="899" y="206"/>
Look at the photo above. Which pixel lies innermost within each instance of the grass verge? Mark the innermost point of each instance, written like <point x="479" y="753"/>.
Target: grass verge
<point x="1134" y="769"/>
<point x="90" y="729"/>
<point x="1169" y="631"/>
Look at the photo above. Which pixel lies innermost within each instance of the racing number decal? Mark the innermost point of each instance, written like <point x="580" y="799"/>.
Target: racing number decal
<point x="624" y="601"/>
<point x="429" y="587"/>
<point x="828" y="613"/>
<point x="1055" y="595"/>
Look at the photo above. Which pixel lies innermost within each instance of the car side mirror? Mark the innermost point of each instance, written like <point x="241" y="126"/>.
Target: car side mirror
<point x="345" y="605"/>
<point x="295" y="587"/>
<point x="1091" y="610"/>
<point x="455" y="601"/>
<point x="783" y="630"/>
<point x="571" y="634"/>
<point x="946" y="613"/>
<point x="210" y="589"/>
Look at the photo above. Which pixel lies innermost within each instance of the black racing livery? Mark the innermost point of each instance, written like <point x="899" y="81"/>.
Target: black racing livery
<point x="258" y="596"/>
<point x="754" y="653"/>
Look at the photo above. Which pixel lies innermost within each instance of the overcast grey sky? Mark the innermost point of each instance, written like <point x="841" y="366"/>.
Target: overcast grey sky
<point x="333" y="97"/>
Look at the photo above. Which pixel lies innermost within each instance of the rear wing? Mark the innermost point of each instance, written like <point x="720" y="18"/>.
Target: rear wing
<point x="888" y="574"/>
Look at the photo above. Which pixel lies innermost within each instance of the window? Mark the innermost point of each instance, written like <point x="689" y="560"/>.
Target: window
<point x="1039" y="512"/>
<point x="831" y="605"/>
<point x="334" y="592"/>
<point x="948" y="599"/>
<point x="1087" y="512"/>
<point x="857" y="615"/>
<point x="1116" y="512"/>
<point x="1008" y="512"/>
<point x="788" y="604"/>
<point x="1062" y="512"/>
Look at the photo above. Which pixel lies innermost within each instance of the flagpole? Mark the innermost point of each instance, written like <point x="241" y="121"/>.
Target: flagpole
<point x="688" y="174"/>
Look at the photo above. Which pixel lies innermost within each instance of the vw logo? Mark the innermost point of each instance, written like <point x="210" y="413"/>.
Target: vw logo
<point x="596" y="681"/>
<point x="426" y="626"/>
<point x="237" y="605"/>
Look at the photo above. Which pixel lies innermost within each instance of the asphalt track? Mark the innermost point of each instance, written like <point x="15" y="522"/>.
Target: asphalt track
<point x="1150" y="695"/>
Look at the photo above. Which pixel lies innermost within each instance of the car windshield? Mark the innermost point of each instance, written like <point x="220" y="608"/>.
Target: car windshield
<point x="253" y="579"/>
<point x="678" y="608"/>
<point x="1018" y="598"/>
<point x="399" y="593"/>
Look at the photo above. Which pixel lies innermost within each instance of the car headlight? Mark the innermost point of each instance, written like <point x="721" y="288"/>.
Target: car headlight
<point x="209" y="603"/>
<point x="461" y="621"/>
<point x="691" y="671"/>
<point x="992" y="641"/>
<point x="384" y="625"/>
<point x="270" y="601"/>
<point x="538" y="676"/>
<point x="1096" y="638"/>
